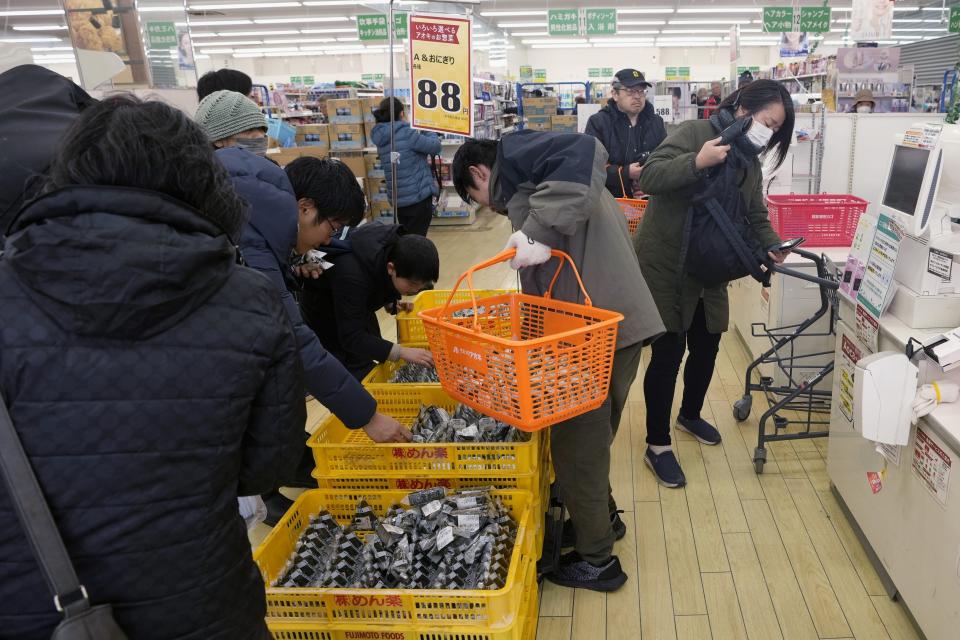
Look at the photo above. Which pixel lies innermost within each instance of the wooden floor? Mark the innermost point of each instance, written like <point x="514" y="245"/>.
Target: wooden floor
<point x="733" y="555"/>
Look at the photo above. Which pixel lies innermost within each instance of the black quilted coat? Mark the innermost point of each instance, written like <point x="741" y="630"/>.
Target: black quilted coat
<point x="152" y="381"/>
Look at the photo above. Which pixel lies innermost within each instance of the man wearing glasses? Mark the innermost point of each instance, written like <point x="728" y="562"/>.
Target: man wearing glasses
<point x="629" y="129"/>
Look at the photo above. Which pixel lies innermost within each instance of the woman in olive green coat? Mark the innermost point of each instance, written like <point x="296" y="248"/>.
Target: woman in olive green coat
<point x="695" y="316"/>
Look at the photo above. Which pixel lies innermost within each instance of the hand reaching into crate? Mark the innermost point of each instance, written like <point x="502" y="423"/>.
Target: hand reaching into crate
<point x="383" y="428"/>
<point x="415" y="355"/>
<point x="529" y="251"/>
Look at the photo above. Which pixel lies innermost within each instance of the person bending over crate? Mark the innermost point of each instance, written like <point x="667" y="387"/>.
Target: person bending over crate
<point x="552" y="186"/>
<point x="383" y="264"/>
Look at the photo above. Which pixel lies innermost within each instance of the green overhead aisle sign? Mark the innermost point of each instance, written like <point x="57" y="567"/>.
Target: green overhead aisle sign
<point x="600" y="22"/>
<point x="563" y="22"/>
<point x="814" y="19"/>
<point x="161" y="35"/>
<point x="373" y="26"/>
<point x="778" y="19"/>
<point x="955" y="19"/>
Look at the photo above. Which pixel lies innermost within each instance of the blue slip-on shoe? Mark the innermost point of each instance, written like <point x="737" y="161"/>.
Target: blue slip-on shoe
<point x="666" y="468"/>
<point x="700" y="429"/>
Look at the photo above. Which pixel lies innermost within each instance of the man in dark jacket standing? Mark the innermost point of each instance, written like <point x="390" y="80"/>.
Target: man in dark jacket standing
<point x="629" y="129"/>
<point x="383" y="264"/>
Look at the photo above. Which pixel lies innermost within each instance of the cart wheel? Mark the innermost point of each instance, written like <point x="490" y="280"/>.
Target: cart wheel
<point x="780" y="423"/>
<point x="759" y="459"/>
<point x="742" y="407"/>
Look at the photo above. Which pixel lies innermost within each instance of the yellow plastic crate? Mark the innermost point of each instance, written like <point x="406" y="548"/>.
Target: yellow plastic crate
<point x="342" y="452"/>
<point x="496" y="609"/>
<point x="410" y="328"/>
<point x="378" y="380"/>
<point x="523" y="627"/>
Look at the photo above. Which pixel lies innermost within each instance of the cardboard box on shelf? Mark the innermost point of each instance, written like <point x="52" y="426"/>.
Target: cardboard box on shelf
<point x="374" y="167"/>
<point x="314" y="152"/>
<point x="539" y="123"/>
<point x="564" y="124"/>
<point x="377" y="190"/>
<point x="380" y="209"/>
<point x="284" y="156"/>
<point x="368" y="132"/>
<point x="347" y="136"/>
<point x="313" y="135"/>
<point x="540" y="106"/>
<point x="353" y="160"/>
<point x="349" y="111"/>
<point x="369" y="104"/>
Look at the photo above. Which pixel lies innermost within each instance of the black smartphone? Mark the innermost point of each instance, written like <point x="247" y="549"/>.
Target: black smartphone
<point x="789" y="245"/>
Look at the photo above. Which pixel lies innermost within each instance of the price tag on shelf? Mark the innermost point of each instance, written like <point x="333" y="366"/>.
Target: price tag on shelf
<point x="440" y="74"/>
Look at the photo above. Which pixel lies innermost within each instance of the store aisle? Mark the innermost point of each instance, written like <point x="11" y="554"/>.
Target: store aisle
<point x="733" y="555"/>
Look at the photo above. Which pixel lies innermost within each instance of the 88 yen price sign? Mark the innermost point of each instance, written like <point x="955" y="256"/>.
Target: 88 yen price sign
<point x="440" y="76"/>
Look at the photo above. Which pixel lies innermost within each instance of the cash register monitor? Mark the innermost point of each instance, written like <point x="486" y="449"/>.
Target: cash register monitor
<point x="911" y="187"/>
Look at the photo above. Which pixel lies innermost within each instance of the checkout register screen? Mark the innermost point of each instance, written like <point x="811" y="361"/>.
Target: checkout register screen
<point x="905" y="179"/>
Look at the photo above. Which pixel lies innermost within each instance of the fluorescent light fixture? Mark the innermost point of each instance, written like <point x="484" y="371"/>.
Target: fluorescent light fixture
<point x="687" y="45"/>
<point x="751" y="30"/>
<point x="941" y="30"/>
<point x="293" y="41"/>
<point x="29" y="39"/>
<point x="240" y="34"/>
<point x="636" y="32"/>
<point x="339" y="30"/>
<point x="202" y="34"/>
<point x="299" y="20"/>
<point x="641" y="23"/>
<point x="165" y="9"/>
<point x="721" y="10"/>
<point x="906" y="20"/>
<point x="51" y="49"/>
<point x="910" y="37"/>
<point x="31" y="12"/>
<point x="555" y="41"/>
<point x="561" y="46"/>
<point x="248" y="55"/>
<point x="217" y="23"/>
<point x="734" y="21"/>
<point x="244" y="5"/>
<point x="217" y="51"/>
<point x="647" y="10"/>
<point x="613" y="45"/>
<point x="39" y="27"/>
<point x="349" y="39"/>
<point x="667" y="32"/>
<point x="232" y="43"/>
<point x="511" y="25"/>
<point x="510" y="14"/>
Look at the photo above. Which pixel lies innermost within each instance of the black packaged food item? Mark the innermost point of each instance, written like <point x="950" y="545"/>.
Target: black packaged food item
<point x="412" y="373"/>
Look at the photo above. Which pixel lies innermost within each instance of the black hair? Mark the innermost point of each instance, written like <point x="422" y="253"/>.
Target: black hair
<point x="415" y="258"/>
<point x="332" y="187"/>
<point x="382" y="112"/>
<point x="758" y="95"/>
<point x="472" y="153"/>
<point x="125" y="141"/>
<point x="224" y="80"/>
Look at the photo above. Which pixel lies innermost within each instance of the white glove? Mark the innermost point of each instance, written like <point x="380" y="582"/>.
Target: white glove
<point x="930" y="395"/>
<point x="529" y="251"/>
<point x="252" y="510"/>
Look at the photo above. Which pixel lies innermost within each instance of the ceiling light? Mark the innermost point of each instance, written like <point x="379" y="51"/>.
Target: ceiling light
<point x="648" y="10"/>
<point x="231" y="43"/>
<point x="353" y="39"/>
<point x="686" y="45"/>
<point x="202" y="34"/>
<point x="31" y="12"/>
<point x="39" y="27"/>
<point x="505" y="14"/>
<point x="231" y="34"/>
<point x="672" y="31"/>
<point x="640" y="23"/>
<point x="244" y="5"/>
<point x="29" y="39"/>
<point x="336" y="30"/>
<point x="51" y="48"/>
<point x="529" y="33"/>
<point x="299" y="20"/>
<point x="510" y="25"/>
<point x="625" y="32"/>
<point x="172" y="7"/>
<point x="216" y="51"/>
<point x="751" y="31"/>
<point x="905" y="20"/>
<point x="554" y="41"/>
<point x="217" y="23"/>
<point x="735" y="21"/>
<point x="561" y="46"/>
<point x="722" y="10"/>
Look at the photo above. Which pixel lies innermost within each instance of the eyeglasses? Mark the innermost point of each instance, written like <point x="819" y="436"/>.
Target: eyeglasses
<point x="335" y="228"/>
<point x="636" y="93"/>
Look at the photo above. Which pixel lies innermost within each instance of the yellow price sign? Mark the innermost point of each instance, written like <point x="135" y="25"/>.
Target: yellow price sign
<point x="440" y="74"/>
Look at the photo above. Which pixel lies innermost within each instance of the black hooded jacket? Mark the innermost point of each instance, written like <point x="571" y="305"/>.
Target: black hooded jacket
<point x="152" y="381"/>
<point x="38" y="107"/>
<point x="625" y="144"/>
<point x="341" y="306"/>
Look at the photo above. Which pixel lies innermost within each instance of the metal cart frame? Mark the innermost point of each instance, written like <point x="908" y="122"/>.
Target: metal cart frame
<point x="799" y="393"/>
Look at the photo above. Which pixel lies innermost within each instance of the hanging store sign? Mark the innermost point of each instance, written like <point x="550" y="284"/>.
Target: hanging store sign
<point x="440" y="74"/>
<point x="539" y="75"/>
<point x="373" y="26"/>
<point x="161" y="35"/>
<point x="526" y="72"/>
<point x="955" y="19"/>
<point x="581" y="22"/>
<point x="600" y="22"/>
<point x="778" y="19"/>
<point x="593" y="72"/>
<point x="563" y="22"/>
<point x="871" y="20"/>
<point x="814" y="19"/>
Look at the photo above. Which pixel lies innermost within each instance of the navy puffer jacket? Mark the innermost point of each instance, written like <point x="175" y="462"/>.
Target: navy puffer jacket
<point x="266" y="243"/>
<point x="152" y="380"/>
<point x="415" y="180"/>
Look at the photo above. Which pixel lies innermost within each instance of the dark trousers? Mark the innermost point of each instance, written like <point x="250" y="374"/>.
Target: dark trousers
<point x="661" y="377"/>
<point x="581" y="460"/>
<point x="416" y="217"/>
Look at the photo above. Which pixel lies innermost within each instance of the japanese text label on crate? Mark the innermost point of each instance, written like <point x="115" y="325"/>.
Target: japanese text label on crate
<point x="440" y="76"/>
<point x="955" y="19"/>
<point x="814" y="19"/>
<point x="778" y="19"/>
<point x="161" y="35"/>
<point x="373" y="26"/>
<point x="563" y="22"/>
<point x="600" y="22"/>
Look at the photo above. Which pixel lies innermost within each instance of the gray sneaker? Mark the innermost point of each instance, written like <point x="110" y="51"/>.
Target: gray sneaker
<point x="575" y="572"/>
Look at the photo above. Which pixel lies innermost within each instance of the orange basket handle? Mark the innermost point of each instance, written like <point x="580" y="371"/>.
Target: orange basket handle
<point x="622" y="187"/>
<point x="503" y="256"/>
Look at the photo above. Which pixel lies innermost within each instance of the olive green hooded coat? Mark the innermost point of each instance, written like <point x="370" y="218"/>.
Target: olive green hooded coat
<point x="670" y="177"/>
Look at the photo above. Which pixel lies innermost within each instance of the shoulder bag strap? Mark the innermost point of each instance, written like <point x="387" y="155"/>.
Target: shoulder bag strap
<point x="70" y="597"/>
<point x="736" y="241"/>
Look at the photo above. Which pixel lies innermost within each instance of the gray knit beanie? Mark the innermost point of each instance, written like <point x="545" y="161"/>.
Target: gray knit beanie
<point x="223" y="114"/>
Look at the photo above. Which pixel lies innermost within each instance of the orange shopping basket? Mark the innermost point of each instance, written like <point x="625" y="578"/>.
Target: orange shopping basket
<point x="529" y="361"/>
<point x="633" y="208"/>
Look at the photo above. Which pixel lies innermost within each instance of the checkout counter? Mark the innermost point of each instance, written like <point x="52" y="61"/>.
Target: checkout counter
<point x="905" y="500"/>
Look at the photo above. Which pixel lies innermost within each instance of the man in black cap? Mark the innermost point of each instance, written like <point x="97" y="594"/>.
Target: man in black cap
<point x="629" y="129"/>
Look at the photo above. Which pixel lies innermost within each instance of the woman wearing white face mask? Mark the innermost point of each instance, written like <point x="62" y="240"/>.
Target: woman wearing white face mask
<point x="863" y="102"/>
<point x="695" y="315"/>
<point x="233" y="120"/>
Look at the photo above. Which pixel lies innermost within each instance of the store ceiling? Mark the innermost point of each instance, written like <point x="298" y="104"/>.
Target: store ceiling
<point x="283" y="28"/>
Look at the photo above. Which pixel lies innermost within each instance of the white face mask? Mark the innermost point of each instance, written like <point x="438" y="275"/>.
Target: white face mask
<point x="864" y="109"/>
<point x="759" y="134"/>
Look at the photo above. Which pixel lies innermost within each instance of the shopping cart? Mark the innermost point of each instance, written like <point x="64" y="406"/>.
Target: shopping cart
<point x="796" y="400"/>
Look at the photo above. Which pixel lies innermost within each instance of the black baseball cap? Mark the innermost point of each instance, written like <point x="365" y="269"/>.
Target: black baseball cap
<point x="630" y="78"/>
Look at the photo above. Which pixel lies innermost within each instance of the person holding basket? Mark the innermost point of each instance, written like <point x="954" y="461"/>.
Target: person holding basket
<point x="552" y="186"/>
